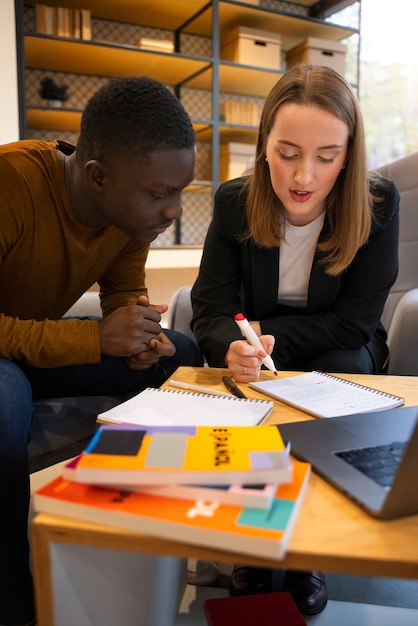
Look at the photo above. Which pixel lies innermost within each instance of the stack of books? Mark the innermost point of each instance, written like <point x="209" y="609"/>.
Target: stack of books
<point x="63" y="21"/>
<point x="226" y="487"/>
<point x="239" y="112"/>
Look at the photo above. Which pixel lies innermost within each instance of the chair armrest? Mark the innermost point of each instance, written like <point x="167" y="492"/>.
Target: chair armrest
<point x="403" y="336"/>
<point x="180" y="311"/>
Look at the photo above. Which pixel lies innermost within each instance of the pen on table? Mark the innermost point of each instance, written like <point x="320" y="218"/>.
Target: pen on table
<point x="233" y="387"/>
<point x="252" y="338"/>
<point x="190" y="387"/>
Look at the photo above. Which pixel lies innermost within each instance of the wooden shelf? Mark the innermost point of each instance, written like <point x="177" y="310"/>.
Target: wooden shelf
<point x="54" y="119"/>
<point x="104" y="59"/>
<point x="245" y="80"/>
<point x="293" y="28"/>
<point x="69" y="119"/>
<point x="229" y="132"/>
<point x="199" y="186"/>
<point x="164" y="14"/>
<point x="174" y="15"/>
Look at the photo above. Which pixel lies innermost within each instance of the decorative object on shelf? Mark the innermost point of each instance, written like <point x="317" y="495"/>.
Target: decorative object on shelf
<point x="53" y="93"/>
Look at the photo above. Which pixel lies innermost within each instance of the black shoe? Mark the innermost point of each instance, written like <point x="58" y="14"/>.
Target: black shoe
<point x="245" y="581"/>
<point x="308" y="590"/>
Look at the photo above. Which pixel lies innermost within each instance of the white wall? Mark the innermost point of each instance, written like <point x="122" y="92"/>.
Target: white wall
<point x="9" y="102"/>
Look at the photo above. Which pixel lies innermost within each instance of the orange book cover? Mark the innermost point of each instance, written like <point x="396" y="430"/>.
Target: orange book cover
<point x="124" y="454"/>
<point x="248" y="531"/>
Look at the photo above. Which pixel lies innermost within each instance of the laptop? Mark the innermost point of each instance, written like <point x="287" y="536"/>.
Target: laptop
<point x="371" y="457"/>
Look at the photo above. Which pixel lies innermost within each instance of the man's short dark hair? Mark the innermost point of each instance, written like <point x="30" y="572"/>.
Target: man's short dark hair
<point x="133" y="116"/>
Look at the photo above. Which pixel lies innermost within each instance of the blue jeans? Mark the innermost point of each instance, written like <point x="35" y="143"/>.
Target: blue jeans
<point x="18" y="385"/>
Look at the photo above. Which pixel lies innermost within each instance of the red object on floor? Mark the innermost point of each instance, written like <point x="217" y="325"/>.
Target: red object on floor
<point x="266" y="609"/>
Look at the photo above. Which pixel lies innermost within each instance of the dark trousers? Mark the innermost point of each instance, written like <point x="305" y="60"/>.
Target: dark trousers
<point x="18" y="386"/>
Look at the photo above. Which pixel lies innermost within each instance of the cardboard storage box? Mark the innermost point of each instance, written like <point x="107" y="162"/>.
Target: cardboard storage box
<point x="249" y="46"/>
<point x="234" y="159"/>
<point x="319" y="52"/>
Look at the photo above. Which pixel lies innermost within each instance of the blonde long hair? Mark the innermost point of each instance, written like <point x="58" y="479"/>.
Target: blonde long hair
<point x="349" y="204"/>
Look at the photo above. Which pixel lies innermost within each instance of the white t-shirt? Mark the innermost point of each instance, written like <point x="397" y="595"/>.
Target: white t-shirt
<point x="296" y="256"/>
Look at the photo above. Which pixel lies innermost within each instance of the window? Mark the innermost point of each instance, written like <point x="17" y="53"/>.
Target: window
<point x="389" y="78"/>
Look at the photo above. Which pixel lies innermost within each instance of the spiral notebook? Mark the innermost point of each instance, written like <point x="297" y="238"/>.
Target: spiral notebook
<point x="326" y="395"/>
<point x="165" y="407"/>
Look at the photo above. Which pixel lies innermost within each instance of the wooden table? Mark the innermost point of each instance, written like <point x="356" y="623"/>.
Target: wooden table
<point x="331" y="533"/>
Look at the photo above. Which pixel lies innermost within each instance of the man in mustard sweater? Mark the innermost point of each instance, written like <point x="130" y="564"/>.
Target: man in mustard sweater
<point x="70" y="218"/>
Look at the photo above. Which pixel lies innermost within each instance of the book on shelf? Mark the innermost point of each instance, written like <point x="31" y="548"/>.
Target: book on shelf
<point x="130" y="455"/>
<point x="239" y="112"/>
<point x="46" y="19"/>
<point x="160" y="45"/>
<point x="257" y="496"/>
<point x="327" y="395"/>
<point x="85" y="24"/>
<point x="248" y="531"/>
<point x="182" y="408"/>
<point x="275" y="609"/>
<point x="76" y="24"/>
<point x="64" y="22"/>
<point x="40" y="18"/>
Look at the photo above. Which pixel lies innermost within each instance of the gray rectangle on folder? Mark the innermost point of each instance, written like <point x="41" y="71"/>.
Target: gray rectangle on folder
<point x="167" y="450"/>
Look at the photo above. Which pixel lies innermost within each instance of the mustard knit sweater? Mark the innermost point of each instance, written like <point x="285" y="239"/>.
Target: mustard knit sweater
<point x="48" y="260"/>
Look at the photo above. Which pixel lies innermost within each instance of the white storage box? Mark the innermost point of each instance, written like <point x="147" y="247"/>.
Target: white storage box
<point x="234" y="159"/>
<point x="319" y="52"/>
<point x="249" y="46"/>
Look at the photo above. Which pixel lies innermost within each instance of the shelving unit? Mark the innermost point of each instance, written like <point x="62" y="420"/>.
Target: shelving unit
<point x="209" y="19"/>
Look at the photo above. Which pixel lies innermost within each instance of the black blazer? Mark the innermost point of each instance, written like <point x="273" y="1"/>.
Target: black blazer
<point x="237" y="276"/>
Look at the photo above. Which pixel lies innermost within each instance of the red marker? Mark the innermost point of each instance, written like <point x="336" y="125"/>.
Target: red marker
<point x="252" y="338"/>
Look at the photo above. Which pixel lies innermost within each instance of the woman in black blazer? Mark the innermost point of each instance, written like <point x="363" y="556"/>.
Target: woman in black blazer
<point x="306" y="247"/>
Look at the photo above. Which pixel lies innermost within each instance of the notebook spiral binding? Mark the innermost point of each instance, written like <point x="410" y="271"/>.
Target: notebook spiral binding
<point x="358" y="386"/>
<point x="222" y="398"/>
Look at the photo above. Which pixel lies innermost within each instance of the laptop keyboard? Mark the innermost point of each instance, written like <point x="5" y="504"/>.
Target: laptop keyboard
<point x="378" y="462"/>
